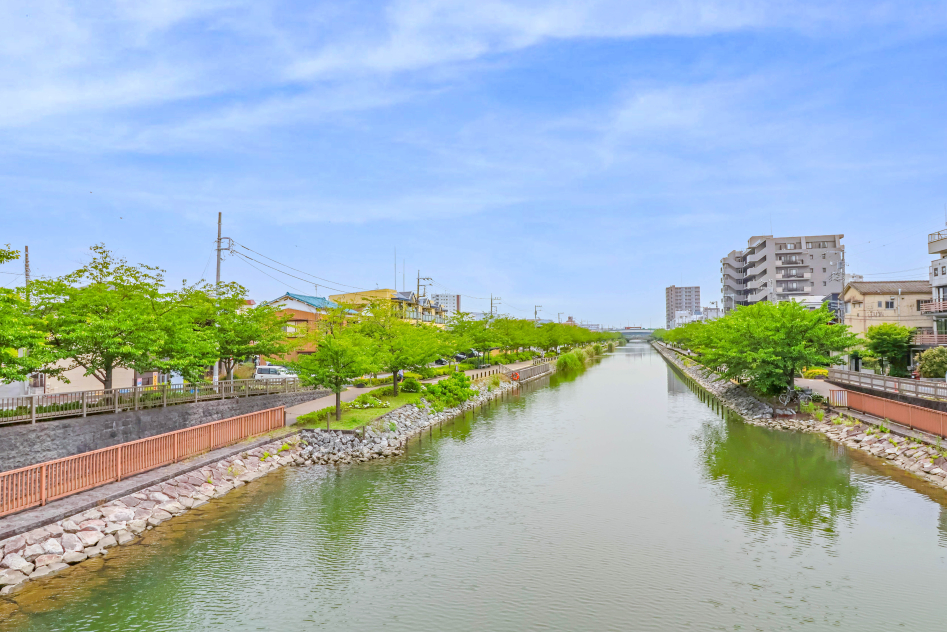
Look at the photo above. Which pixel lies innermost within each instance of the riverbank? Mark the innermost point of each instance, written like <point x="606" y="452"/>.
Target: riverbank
<point x="69" y="542"/>
<point x="924" y="460"/>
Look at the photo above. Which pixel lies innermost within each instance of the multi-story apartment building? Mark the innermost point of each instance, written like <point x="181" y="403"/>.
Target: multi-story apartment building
<point x="937" y="307"/>
<point x="783" y="268"/>
<point x="450" y="302"/>
<point x="680" y="299"/>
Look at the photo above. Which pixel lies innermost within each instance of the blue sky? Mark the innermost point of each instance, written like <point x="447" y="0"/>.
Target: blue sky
<point x="575" y="155"/>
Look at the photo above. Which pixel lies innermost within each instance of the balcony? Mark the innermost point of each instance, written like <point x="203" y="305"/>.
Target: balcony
<point x="791" y="261"/>
<point x="934" y="307"/>
<point x="803" y="276"/>
<point x="929" y="339"/>
<point x="937" y="243"/>
<point x="802" y="289"/>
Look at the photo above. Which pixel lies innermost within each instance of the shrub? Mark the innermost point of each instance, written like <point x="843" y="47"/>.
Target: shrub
<point x="448" y="393"/>
<point x="819" y="415"/>
<point x="411" y="385"/>
<point x="933" y="362"/>
<point x="814" y="374"/>
<point x="570" y="362"/>
<point x="597" y="349"/>
<point x="360" y="383"/>
<point x="367" y="400"/>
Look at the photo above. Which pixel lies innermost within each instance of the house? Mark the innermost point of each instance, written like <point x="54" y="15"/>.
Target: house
<point x="411" y="307"/>
<point x="868" y="303"/>
<point x="303" y="312"/>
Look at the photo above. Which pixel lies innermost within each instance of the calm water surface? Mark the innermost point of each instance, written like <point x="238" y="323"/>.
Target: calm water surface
<point x="614" y="501"/>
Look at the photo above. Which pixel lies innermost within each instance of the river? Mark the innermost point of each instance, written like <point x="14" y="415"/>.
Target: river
<point x="616" y="500"/>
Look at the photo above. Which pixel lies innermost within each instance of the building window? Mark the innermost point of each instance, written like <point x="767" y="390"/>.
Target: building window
<point x="879" y="303"/>
<point x="943" y="270"/>
<point x="823" y="269"/>
<point x="921" y="302"/>
<point x="810" y="257"/>
<point x="935" y="271"/>
<point x="823" y="255"/>
<point x="823" y="284"/>
<point x="38" y="380"/>
<point x="889" y="304"/>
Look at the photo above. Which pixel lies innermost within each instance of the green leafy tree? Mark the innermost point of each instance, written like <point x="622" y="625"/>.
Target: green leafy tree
<point x="242" y="332"/>
<point x="343" y="354"/>
<point x="474" y="333"/>
<point x="769" y="343"/>
<point x="399" y="345"/>
<point x="109" y="314"/>
<point x="933" y="362"/>
<point x="892" y="344"/>
<point x="23" y="349"/>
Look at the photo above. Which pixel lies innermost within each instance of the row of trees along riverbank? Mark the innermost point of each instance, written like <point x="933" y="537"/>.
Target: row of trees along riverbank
<point x="355" y="340"/>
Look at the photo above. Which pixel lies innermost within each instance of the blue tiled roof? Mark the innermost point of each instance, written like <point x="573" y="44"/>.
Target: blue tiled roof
<point x="318" y="302"/>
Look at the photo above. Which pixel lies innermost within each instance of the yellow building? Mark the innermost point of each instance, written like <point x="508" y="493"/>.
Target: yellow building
<point x="409" y="305"/>
<point x="870" y="303"/>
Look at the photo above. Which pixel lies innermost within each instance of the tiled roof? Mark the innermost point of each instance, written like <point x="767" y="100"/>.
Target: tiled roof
<point x="318" y="302"/>
<point x="891" y="287"/>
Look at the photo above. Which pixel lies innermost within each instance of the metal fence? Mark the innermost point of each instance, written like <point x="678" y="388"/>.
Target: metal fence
<point x="886" y="384"/>
<point x="915" y="417"/>
<point x="838" y="398"/>
<point x="33" y="408"/>
<point x="38" y="484"/>
<point x="520" y="375"/>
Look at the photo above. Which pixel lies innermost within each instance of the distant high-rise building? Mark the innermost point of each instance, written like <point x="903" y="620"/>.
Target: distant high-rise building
<point x="783" y="268"/>
<point x="680" y="299"/>
<point x="450" y="302"/>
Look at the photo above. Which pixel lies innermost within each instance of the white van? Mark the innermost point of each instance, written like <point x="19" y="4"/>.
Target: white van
<point x="273" y="372"/>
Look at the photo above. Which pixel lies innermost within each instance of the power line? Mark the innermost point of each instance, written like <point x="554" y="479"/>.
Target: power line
<point x="248" y="258"/>
<point x="354" y="287"/>
<point x="267" y="274"/>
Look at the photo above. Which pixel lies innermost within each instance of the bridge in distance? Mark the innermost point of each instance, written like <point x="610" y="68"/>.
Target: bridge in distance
<point x="634" y="333"/>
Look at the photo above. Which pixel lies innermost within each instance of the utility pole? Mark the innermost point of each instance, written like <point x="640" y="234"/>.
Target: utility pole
<point x="536" y="309"/>
<point x="492" y="299"/>
<point x="26" y="272"/>
<point x="559" y="316"/>
<point x="418" y="295"/>
<point x="219" y="219"/>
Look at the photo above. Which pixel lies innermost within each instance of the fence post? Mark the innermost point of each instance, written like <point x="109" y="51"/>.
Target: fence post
<point x="118" y="462"/>
<point x="135" y="395"/>
<point x="33" y="411"/>
<point x="164" y="395"/>
<point x="246" y="388"/>
<point x="84" y="403"/>
<point x="174" y="455"/>
<point x="195" y="392"/>
<point x="115" y="396"/>
<point x="267" y="387"/>
<point x="42" y="493"/>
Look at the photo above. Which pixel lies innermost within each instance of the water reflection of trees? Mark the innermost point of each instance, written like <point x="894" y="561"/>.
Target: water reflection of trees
<point x="772" y="476"/>
<point x="675" y="385"/>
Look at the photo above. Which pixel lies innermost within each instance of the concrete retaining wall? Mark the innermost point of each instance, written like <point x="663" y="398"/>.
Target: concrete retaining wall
<point x="44" y="441"/>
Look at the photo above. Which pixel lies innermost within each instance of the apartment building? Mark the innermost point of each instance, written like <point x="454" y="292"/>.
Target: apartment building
<point x="869" y="303"/>
<point x="782" y="268"/>
<point x="450" y="302"/>
<point x="680" y="299"/>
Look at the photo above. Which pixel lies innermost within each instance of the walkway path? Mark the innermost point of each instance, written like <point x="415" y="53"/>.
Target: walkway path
<point x="349" y="394"/>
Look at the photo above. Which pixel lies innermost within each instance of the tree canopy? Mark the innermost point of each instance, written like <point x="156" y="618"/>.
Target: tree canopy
<point x="23" y="349"/>
<point x="766" y="343"/>
<point x="892" y="343"/>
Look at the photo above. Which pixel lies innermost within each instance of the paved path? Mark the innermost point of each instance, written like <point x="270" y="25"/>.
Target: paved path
<point x="349" y="394"/>
<point x="818" y="386"/>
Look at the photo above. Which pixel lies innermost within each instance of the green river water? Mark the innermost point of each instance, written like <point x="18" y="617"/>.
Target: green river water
<point x="616" y="500"/>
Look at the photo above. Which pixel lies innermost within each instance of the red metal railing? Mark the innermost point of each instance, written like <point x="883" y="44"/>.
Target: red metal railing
<point x="37" y="484"/>
<point x="933" y="307"/>
<point x="917" y="417"/>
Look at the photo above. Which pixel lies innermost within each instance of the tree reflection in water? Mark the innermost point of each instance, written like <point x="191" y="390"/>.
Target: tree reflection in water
<point x="780" y="477"/>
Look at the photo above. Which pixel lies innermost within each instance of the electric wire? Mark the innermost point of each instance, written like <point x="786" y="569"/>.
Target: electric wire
<point x="248" y="258"/>
<point x="298" y="270"/>
<point x="269" y="275"/>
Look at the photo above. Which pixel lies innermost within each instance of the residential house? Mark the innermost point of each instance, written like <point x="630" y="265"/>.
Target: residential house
<point x="412" y="307"/>
<point x="303" y="311"/>
<point x="867" y="303"/>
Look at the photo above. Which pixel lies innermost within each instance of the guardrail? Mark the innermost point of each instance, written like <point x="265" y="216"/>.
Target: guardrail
<point x="529" y="372"/>
<point x="886" y="384"/>
<point x="915" y="417"/>
<point x="36" y="485"/>
<point x="33" y="408"/>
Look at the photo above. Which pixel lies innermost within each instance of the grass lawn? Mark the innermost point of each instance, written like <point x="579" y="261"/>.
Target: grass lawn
<point x="357" y="417"/>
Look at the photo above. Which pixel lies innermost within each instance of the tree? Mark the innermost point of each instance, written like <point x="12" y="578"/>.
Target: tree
<point x="108" y="315"/>
<point x="474" y="333"/>
<point x="933" y="362"/>
<point x="243" y="332"/>
<point x="23" y="349"/>
<point x="891" y="343"/>
<point x="398" y="345"/>
<point x="769" y="343"/>
<point x="342" y="355"/>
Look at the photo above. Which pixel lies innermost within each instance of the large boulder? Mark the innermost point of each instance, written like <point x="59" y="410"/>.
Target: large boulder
<point x="71" y="542"/>
<point x="53" y="546"/>
<point x="89" y="538"/>
<point x="118" y="514"/>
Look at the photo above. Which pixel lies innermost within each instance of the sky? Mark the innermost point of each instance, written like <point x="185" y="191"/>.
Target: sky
<point x="578" y="156"/>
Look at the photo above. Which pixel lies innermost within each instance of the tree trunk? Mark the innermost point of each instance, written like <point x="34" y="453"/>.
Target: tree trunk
<point x="338" y="406"/>
<point x="394" y="382"/>
<point x="108" y="376"/>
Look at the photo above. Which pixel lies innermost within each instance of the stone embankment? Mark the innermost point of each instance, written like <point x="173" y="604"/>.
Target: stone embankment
<point x="389" y="433"/>
<point x="54" y="547"/>
<point x="910" y="454"/>
<point x="733" y="396"/>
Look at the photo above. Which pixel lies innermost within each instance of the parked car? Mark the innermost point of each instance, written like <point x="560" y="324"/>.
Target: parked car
<point x="273" y="372"/>
<point x="460" y="357"/>
<point x="440" y="362"/>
